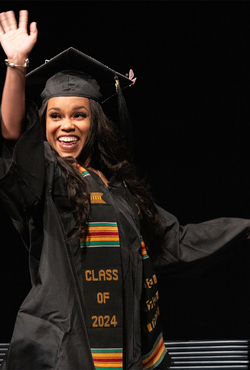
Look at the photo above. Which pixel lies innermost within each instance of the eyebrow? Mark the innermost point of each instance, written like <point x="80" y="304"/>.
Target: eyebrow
<point x="76" y="107"/>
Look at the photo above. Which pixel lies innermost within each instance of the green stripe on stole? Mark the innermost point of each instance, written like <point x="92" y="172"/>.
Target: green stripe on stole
<point x="102" y="285"/>
<point x="103" y="282"/>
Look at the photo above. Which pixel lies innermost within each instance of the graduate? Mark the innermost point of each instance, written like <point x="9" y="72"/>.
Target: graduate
<point x="95" y="237"/>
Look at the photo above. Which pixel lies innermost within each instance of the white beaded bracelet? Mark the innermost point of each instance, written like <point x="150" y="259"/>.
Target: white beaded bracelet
<point x="12" y="65"/>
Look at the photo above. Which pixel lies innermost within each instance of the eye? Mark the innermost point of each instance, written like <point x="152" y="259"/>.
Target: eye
<point x="80" y="115"/>
<point x="55" y="116"/>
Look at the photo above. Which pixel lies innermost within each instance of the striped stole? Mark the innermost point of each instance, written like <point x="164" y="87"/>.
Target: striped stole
<point x="153" y="347"/>
<point x="154" y="353"/>
<point x="102" y="281"/>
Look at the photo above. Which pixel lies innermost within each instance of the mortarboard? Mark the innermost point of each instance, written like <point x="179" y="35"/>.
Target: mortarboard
<point x="73" y="73"/>
<point x="74" y="60"/>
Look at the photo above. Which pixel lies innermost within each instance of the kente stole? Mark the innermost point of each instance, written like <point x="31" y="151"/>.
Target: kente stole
<point x="102" y="289"/>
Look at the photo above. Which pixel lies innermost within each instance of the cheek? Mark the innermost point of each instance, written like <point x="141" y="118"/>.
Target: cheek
<point x="87" y="131"/>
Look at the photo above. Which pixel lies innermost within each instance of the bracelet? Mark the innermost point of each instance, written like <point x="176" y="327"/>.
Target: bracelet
<point x="12" y="65"/>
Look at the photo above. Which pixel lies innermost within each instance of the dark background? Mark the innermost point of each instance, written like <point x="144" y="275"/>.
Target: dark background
<point x="190" y="112"/>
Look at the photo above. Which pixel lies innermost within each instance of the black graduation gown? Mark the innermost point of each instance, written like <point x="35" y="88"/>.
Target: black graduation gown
<point x="50" y="331"/>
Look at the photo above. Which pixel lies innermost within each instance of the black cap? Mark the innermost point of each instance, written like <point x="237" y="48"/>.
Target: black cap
<point x="73" y="73"/>
<point x="71" y="83"/>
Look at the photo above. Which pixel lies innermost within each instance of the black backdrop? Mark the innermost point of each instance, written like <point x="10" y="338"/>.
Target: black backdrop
<point x="190" y="112"/>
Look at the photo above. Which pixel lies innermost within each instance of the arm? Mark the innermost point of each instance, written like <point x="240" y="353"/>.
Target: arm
<point x="17" y="45"/>
<point x="197" y="241"/>
<point x="21" y="174"/>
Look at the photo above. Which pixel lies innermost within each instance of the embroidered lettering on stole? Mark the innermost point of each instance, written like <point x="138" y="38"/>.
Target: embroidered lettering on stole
<point x="96" y="197"/>
<point x="154" y="352"/>
<point x="153" y="347"/>
<point x="102" y="283"/>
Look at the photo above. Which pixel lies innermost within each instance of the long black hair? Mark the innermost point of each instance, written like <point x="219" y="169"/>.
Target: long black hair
<point x="105" y="146"/>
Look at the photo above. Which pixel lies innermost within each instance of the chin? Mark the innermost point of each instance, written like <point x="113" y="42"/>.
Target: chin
<point x="73" y="155"/>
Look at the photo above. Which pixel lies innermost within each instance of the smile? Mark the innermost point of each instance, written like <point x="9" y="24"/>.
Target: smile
<point x="68" y="143"/>
<point x="68" y="139"/>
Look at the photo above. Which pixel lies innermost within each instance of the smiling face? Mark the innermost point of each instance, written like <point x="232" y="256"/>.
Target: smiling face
<point x="68" y="124"/>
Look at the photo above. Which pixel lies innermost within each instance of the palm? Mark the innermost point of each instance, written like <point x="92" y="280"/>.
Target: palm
<point x="17" y="41"/>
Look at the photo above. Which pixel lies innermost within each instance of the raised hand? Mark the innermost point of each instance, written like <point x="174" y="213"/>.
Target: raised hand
<point x="16" y="42"/>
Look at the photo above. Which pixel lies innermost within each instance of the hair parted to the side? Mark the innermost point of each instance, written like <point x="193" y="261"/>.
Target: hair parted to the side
<point x="107" y="152"/>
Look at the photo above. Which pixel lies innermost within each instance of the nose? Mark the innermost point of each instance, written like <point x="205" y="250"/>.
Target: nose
<point x="67" y="126"/>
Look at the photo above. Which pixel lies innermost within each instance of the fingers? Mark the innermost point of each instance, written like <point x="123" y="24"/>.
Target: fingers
<point x="8" y="21"/>
<point x="33" y="30"/>
<point x="23" y="19"/>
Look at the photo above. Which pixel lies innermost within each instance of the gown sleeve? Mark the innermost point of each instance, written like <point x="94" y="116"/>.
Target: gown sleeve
<point x="194" y="242"/>
<point x="22" y="173"/>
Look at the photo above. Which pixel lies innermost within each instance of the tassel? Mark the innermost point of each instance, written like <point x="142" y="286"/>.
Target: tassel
<point x="124" y="116"/>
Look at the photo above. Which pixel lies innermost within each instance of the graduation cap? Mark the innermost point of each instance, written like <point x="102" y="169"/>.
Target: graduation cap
<point x="88" y="69"/>
<point x="73" y="73"/>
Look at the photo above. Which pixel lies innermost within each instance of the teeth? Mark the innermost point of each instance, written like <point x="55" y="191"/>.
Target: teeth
<point x="67" y="139"/>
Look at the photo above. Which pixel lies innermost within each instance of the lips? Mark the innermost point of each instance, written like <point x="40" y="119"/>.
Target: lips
<point x="68" y="143"/>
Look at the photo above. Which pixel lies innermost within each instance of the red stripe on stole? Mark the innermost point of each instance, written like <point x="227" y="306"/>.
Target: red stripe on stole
<point x="151" y="358"/>
<point x="107" y="360"/>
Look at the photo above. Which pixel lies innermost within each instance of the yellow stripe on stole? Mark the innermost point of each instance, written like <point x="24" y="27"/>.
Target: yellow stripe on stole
<point x="102" y="237"/>
<point x="114" y="355"/>
<point x="104" y="233"/>
<point x="143" y="249"/>
<point x="155" y="355"/>
<point x="103" y="228"/>
<point x="116" y="359"/>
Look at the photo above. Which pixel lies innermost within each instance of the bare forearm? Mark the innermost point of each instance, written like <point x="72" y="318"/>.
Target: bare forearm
<point x="13" y="103"/>
<point x="17" y="45"/>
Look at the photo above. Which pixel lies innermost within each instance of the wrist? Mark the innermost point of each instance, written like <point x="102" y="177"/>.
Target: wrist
<point x="13" y="64"/>
<point x="18" y="59"/>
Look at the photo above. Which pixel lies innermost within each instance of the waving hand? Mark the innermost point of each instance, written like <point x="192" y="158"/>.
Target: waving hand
<point x="17" y="44"/>
<point x="15" y="40"/>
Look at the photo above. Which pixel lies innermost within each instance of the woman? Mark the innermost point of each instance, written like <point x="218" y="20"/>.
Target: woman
<point x="81" y="211"/>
